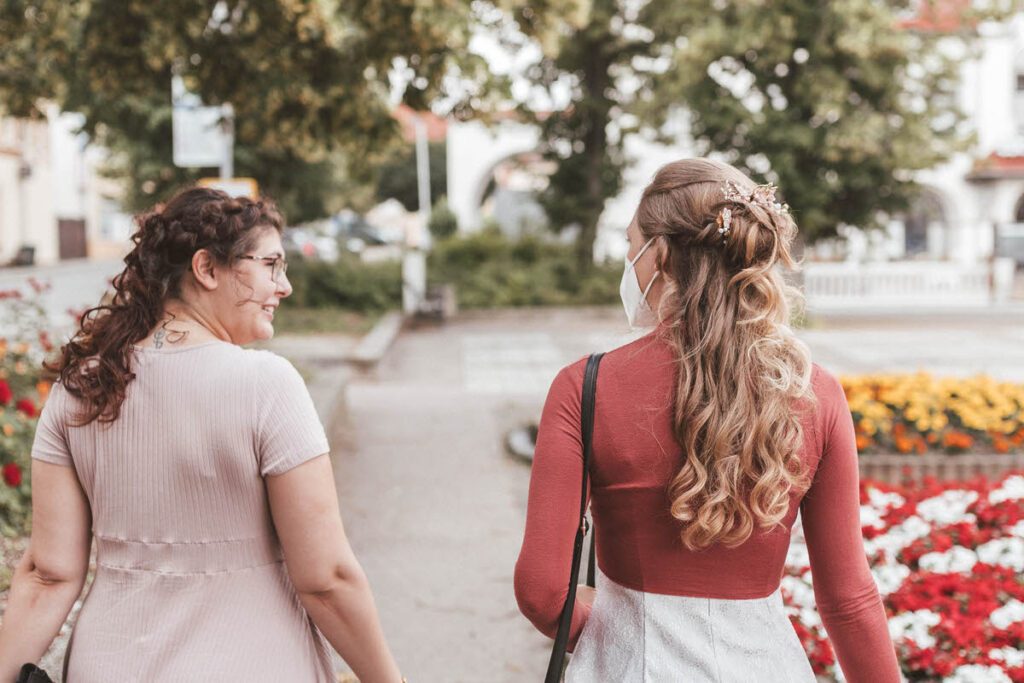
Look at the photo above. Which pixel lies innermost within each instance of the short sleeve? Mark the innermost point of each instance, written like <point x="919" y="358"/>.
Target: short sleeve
<point x="51" y="443"/>
<point x="288" y="431"/>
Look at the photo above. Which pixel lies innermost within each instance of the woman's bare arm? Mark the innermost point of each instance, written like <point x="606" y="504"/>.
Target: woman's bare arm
<point x="50" y="575"/>
<point x="329" y="580"/>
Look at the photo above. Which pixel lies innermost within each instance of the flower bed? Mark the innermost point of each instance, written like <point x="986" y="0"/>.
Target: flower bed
<point x="22" y="394"/>
<point x="948" y="559"/>
<point x="919" y="413"/>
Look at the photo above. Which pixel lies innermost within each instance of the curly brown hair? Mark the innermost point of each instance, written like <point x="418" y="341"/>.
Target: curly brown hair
<point x="744" y="379"/>
<point x="96" y="365"/>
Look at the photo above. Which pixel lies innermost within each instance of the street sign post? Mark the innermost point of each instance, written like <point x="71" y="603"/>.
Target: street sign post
<point x="202" y="136"/>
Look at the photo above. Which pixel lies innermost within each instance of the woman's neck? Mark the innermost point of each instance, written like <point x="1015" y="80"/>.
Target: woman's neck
<point x="180" y="325"/>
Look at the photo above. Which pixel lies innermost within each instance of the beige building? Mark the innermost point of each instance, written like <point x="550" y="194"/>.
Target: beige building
<point x="53" y="204"/>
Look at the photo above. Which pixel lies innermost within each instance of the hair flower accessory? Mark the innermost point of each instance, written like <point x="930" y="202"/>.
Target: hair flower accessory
<point x="724" y="222"/>
<point x="761" y="195"/>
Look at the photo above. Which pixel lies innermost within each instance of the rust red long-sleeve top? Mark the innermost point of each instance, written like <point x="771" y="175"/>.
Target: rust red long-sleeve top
<point x="635" y="457"/>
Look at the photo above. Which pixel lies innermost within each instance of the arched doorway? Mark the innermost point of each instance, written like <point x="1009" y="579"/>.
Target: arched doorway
<point x="509" y="196"/>
<point x="926" y="226"/>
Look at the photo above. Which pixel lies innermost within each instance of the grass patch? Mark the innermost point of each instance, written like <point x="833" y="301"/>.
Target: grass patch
<point x="290" y="320"/>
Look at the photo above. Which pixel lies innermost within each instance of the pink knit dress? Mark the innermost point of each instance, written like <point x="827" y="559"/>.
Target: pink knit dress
<point x="190" y="581"/>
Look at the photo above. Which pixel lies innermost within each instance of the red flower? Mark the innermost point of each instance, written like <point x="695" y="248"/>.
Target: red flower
<point x="5" y="392"/>
<point x="12" y="474"/>
<point x="26" y="406"/>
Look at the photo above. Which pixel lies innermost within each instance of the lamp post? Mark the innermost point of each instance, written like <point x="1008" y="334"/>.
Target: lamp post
<point x="417" y="239"/>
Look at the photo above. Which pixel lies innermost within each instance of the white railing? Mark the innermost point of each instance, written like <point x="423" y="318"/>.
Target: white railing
<point x="907" y="283"/>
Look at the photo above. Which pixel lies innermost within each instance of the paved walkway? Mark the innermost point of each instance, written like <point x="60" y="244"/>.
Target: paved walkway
<point x="435" y="508"/>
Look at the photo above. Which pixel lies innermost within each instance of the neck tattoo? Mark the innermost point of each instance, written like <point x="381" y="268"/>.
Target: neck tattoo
<point x="168" y="334"/>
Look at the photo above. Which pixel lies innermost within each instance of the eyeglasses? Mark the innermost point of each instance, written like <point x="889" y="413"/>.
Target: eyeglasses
<point x="278" y="265"/>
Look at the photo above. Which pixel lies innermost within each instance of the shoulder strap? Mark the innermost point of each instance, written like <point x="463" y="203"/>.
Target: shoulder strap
<point x="587" y="432"/>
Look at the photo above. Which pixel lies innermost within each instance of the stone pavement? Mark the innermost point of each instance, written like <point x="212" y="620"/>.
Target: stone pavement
<point x="435" y="508"/>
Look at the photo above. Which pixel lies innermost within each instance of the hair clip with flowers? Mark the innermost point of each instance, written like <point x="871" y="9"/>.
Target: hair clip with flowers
<point x="762" y="195"/>
<point x="724" y="222"/>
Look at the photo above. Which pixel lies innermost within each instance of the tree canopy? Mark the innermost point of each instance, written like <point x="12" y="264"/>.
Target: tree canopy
<point x="837" y="102"/>
<point x="311" y="82"/>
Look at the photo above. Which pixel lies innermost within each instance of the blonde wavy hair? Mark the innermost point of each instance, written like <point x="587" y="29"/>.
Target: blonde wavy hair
<point x="742" y="371"/>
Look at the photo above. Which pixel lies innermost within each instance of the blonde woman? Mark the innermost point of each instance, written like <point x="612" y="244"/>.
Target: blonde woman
<point x="710" y="435"/>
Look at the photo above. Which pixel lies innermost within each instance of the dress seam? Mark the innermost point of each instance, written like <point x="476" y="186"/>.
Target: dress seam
<point x="129" y="540"/>
<point x="161" y="572"/>
<point x="643" y="634"/>
<point x="714" y="645"/>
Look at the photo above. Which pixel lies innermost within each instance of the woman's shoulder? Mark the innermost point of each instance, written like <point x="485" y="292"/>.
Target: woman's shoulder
<point x="647" y="350"/>
<point x="266" y="362"/>
<point x="826" y="386"/>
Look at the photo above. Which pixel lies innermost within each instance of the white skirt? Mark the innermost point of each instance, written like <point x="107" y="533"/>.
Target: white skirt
<point x="652" y="638"/>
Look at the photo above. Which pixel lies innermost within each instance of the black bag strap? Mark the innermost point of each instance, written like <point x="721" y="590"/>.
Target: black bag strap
<point x="587" y="431"/>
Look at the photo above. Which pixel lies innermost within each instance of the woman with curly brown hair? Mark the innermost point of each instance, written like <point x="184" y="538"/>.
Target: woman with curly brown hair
<point x="710" y="435"/>
<point x="201" y="470"/>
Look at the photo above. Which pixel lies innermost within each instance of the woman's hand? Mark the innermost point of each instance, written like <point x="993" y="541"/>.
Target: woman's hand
<point x="586" y="594"/>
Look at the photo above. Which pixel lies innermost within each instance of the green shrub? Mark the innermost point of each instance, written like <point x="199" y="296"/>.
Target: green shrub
<point x="491" y="270"/>
<point x="349" y="284"/>
<point x="443" y="223"/>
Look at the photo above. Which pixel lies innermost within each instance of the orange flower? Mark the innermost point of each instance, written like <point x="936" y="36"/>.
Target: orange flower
<point x="43" y="388"/>
<point x="1000" y="444"/>
<point x="955" y="439"/>
<point x="863" y="442"/>
<point x="903" y="444"/>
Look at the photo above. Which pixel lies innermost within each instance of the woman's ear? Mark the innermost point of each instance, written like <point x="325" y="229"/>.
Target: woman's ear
<point x="203" y="270"/>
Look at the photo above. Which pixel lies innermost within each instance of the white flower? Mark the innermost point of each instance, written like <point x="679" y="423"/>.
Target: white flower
<point x="898" y="537"/>
<point x="914" y="626"/>
<point x="1010" y="613"/>
<point x="956" y="559"/>
<point x="797" y="556"/>
<point x="978" y="673"/>
<point x="1012" y="488"/>
<point x="882" y="500"/>
<point x="1011" y="655"/>
<point x="1008" y="552"/>
<point x="949" y="507"/>
<point x="890" y="576"/>
<point x="871" y="517"/>
<point x="802" y="603"/>
<point x="1017" y="529"/>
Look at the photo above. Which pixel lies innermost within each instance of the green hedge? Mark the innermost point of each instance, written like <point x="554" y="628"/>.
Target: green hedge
<point x="488" y="270"/>
<point x="491" y="270"/>
<point x="349" y="284"/>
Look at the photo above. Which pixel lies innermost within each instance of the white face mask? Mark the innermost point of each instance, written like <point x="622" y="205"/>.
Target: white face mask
<point x="638" y="311"/>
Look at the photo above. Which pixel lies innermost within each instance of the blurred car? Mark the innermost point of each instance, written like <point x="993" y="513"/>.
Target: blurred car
<point x="325" y="239"/>
<point x="353" y="232"/>
<point x="310" y="244"/>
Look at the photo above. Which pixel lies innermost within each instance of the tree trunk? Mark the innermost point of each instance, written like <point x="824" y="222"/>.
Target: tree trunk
<point x="595" y="112"/>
